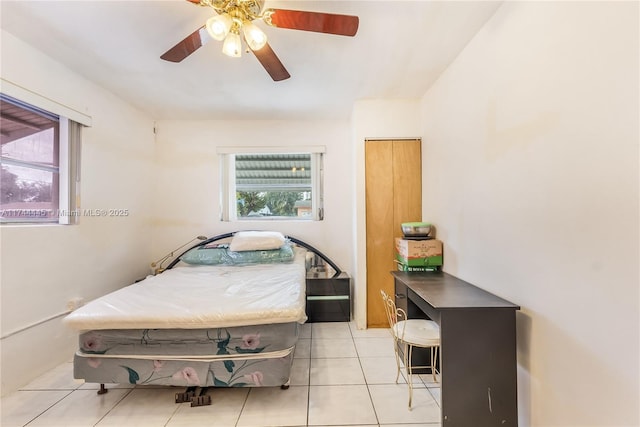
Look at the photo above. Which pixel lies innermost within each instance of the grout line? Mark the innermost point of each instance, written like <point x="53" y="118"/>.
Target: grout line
<point x="309" y="373"/>
<point x="364" y="377"/>
<point x="177" y="407"/>
<point x="52" y="405"/>
<point x="114" y="405"/>
<point x="244" y="404"/>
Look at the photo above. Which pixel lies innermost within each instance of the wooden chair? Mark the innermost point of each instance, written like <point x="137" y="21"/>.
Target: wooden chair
<point x="410" y="333"/>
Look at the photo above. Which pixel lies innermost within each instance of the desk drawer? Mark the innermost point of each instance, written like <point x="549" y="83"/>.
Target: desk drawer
<point x="418" y="306"/>
<point x="403" y="300"/>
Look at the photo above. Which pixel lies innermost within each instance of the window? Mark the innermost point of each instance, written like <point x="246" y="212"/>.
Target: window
<point x="259" y="185"/>
<point x="38" y="164"/>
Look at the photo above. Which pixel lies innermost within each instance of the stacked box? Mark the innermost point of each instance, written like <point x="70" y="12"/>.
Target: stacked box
<point x="418" y="253"/>
<point x="404" y="267"/>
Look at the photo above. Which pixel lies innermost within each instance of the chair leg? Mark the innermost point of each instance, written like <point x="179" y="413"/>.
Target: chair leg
<point x="434" y="362"/>
<point x="395" y="350"/>
<point x="409" y="370"/>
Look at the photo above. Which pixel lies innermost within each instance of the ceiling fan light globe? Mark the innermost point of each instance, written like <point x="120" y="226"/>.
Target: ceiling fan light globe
<point x="218" y="26"/>
<point x="232" y="45"/>
<point x="255" y="37"/>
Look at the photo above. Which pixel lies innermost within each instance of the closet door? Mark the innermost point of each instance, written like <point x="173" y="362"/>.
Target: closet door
<point x="393" y="181"/>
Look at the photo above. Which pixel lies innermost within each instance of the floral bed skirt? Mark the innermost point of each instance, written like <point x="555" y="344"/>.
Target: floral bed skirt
<point x="267" y="369"/>
<point x="247" y="356"/>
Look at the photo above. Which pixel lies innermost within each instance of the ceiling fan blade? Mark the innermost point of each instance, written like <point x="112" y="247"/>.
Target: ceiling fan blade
<point x="271" y="63"/>
<point x="187" y="46"/>
<point x="342" y="25"/>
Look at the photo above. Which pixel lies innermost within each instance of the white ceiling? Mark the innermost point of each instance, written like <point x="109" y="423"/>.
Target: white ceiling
<point x="400" y="49"/>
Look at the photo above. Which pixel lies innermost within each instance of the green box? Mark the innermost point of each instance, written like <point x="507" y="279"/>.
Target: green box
<point x="432" y="261"/>
<point x="404" y="267"/>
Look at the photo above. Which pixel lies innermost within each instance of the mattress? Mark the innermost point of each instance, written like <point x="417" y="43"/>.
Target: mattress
<point x="200" y="297"/>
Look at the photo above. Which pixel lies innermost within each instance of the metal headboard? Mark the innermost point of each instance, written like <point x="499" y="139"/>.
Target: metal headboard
<point x="292" y="239"/>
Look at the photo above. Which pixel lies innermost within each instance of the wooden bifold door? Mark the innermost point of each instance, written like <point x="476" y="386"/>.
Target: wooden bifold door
<point x="393" y="180"/>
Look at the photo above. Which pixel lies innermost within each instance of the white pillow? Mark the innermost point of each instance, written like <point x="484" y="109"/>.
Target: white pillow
<point x="256" y="241"/>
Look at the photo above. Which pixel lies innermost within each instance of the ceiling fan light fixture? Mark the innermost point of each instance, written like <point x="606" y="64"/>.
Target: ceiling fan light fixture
<point x="219" y="26"/>
<point x="232" y="45"/>
<point x="255" y="37"/>
<point x="233" y="16"/>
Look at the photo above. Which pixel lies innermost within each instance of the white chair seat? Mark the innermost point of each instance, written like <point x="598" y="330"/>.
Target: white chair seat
<point x="410" y="333"/>
<point x="418" y="332"/>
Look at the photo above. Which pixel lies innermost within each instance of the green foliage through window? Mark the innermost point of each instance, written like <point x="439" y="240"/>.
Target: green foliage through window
<point x="272" y="185"/>
<point x="269" y="203"/>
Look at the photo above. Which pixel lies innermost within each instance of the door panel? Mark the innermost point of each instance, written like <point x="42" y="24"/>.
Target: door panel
<point x="379" y="205"/>
<point x="393" y="183"/>
<point x="407" y="184"/>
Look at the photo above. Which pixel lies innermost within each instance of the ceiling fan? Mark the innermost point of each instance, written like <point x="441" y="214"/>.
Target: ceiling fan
<point x="234" y="17"/>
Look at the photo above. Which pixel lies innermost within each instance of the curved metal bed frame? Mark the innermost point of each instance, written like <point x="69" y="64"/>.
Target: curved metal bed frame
<point x="298" y="242"/>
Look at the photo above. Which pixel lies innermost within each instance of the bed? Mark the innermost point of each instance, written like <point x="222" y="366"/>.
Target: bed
<point x="216" y="317"/>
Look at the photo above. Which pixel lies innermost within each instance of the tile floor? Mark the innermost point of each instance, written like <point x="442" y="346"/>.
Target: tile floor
<point x="341" y="376"/>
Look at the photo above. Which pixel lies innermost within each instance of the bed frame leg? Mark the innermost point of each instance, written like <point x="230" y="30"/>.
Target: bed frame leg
<point x="203" y="399"/>
<point x="187" y="396"/>
<point x="103" y="389"/>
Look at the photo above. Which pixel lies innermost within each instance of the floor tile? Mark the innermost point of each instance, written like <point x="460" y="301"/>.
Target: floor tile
<point x="80" y="408"/>
<point x="391" y="403"/>
<point x="300" y="372"/>
<point x="23" y="406"/>
<point x="383" y="370"/>
<point x="412" y="425"/>
<point x="303" y="349"/>
<point x="374" y="347"/>
<point x="437" y="394"/>
<point x="148" y="407"/>
<point x="96" y="386"/>
<point x="329" y="330"/>
<point x="59" y="378"/>
<point x="271" y="406"/>
<point x="428" y="380"/>
<point x="336" y="371"/>
<point x="368" y="333"/>
<point x="305" y="330"/>
<point x="226" y="406"/>
<point x="343" y="404"/>
<point x="336" y="347"/>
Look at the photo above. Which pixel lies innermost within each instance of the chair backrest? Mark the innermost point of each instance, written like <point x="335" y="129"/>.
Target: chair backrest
<point x="393" y="313"/>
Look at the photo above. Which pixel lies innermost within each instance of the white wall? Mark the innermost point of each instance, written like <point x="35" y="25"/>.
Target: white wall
<point x="374" y="119"/>
<point x="188" y="181"/>
<point x="531" y="176"/>
<point x="45" y="266"/>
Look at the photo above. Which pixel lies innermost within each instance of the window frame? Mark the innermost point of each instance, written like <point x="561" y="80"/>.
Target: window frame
<point x="228" y="201"/>
<point x="67" y="150"/>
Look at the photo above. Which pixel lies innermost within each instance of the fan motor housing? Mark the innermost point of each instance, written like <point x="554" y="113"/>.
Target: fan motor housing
<point x="251" y="8"/>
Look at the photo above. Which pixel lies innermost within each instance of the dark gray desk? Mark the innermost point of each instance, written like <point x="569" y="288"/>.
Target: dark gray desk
<point x="478" y="346"/>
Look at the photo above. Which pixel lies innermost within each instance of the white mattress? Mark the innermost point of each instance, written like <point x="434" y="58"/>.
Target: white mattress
<point x="202" y="297"/>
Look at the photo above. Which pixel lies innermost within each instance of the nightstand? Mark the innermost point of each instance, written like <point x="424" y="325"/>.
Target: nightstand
<point x="328" y="298"/>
